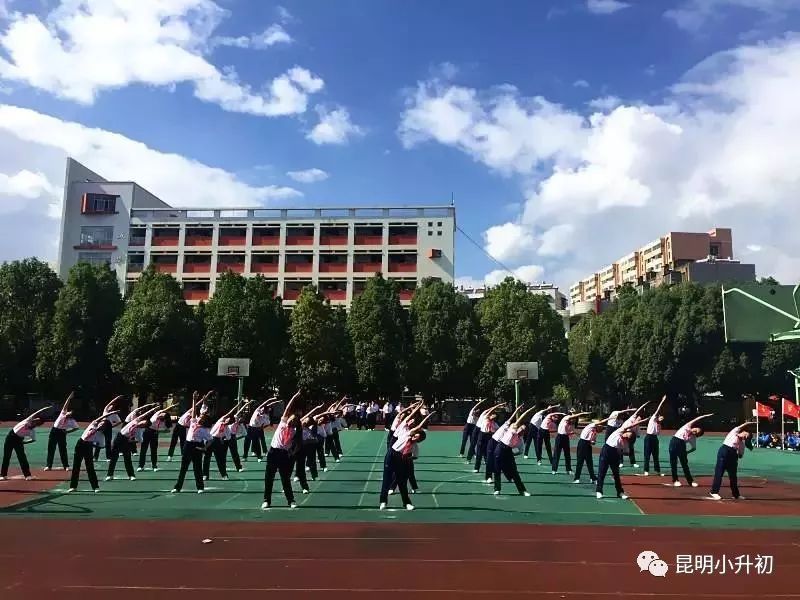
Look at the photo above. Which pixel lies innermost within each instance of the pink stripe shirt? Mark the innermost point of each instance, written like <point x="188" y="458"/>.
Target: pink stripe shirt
<point x="565" y="427"/>
<point x="90" y="431"/>
<point x="282" y="439"/>
<point x="129" y="429"/>
<point x="259" y="418"/>
<point x="490" y="426"/>
<point x="157" y="421"/>
<point x="196" y="433"/>
<point x="61" y="421"/>
<point x="501" y="431"/>
<point x="549" y="422"/>
<point x="684" y="433"/>
<point x="185" y="418"/>
<point x="615" y="440"/>
<point x="537" y="418"/>
<point x="218" y="429"/>
<point x="653" y="426"/>
<point x="733" y="440"/>
<point x="510" y="437"/>
<point x="24" y="428"/>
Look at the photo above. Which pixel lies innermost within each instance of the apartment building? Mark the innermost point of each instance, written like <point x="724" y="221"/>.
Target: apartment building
<point x="677" y="256"/>
<point x="338" y="249"/>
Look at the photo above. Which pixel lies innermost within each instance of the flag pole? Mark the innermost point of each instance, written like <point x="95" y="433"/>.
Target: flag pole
<point x="757" y="435"/>
<point x="783" y="434"/>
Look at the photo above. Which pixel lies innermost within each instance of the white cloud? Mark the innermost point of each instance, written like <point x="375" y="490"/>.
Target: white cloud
<point x="501" y="129"/>
<point x="272" y="35"/>
<point x="721" y="149"/>
<point x="308" y="175"/>
<point x="334" y="127"/>
<point x="525" y="273"/>
<point x="605" y="103"/>
<point x="85" y="47"/>
<point x="509" y="241"/>
<point x="605" y="7"/>
<point x="694" y="15"/>
<point x="33" y="150"/>
<point x="581" y="83"/>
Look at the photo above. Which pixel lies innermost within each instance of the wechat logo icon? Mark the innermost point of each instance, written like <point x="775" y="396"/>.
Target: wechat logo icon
<point x="649" y="561"/>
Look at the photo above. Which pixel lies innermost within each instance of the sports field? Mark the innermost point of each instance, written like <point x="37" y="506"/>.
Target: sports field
<point x="457" y="530"/>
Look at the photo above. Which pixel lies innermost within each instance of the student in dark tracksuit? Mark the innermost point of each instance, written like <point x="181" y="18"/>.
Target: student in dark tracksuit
<point x="682" y="443"/>
<point x="84" y="454"/>
<point x="123" y="442"/>
<point x="651" y="442"/>
<point x="731" y="450"/>
<point x="22" y="433"/>
<point x="532" y="434"/>
<point x="549" y="424"/>
<point x="305" y="446"/>
<point x="198" y="437"/>
<point x="564" y="433"/>
<point x="494" y="441"/>
<point x="278" y="459"/>
<point x="182" y="425"/>
<point x="395" y="464"/>
<point x="157" y="423"/>
<point x="610" y="458"/>
<point x="511" y="442"/>
<point x="259" y="419"/>
<point x="583" y="451"/>
<point x="104" y="436"/>
<point x="485" y="426"/>
<point x="469" y="427"/>
<point x="234" y="433"/>
<point x="63" y="425"/>
<point x="219" y="446"/>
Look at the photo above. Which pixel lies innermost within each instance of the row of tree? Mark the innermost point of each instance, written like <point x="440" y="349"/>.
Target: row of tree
<point x="82" y="335"/>
<point x="671" y="340"/>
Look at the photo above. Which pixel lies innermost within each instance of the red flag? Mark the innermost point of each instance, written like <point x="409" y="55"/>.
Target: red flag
<point x="790" y="409"/>
<point x="763" y="411"/>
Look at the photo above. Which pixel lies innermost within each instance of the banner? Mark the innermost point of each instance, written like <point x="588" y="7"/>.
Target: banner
<point x="763" y="411"/>
<point x="790" y="409"/>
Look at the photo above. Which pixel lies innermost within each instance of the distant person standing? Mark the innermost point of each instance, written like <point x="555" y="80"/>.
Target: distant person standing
<point x="683" y="443"/>
<point x="388" y="414"/>
<point x="63" y="425"/>
<point x="372" y="415"/>
<point x="651" y="440"/>
<point x="22" y="433"/>
<point x="731" y="450"/>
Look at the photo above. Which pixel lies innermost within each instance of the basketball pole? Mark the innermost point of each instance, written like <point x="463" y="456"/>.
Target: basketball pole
<point x="516" y="394"/>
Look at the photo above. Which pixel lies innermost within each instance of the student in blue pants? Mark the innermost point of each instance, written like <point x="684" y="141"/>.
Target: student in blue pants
<point x="731" y="450"/>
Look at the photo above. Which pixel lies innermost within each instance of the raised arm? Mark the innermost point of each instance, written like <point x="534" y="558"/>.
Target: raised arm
<point x="290" y="405"/>
<point x="601" y="421"/>
<point x="578" y="415"/>
<point x="38" y="412"/>
<point x="421" y="423"/>
<point x="311" y="412"/>
<point x="242" y="410"/>
<point x="524" y="416"/>
<point x="65" y="408"/>
<point x="660" y="406"/>
<point x="474" y="409"/>
<point x="272" y="400"/>
<point x="744" y="425"/>
<point x="700" y="418"/>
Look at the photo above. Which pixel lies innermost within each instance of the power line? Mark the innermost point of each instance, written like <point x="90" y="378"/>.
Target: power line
<point x="479" y="247"/>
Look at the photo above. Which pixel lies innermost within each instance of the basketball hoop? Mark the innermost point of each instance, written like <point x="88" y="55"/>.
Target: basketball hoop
<point x="232" y="371"/>
<point x="522" y="374"/>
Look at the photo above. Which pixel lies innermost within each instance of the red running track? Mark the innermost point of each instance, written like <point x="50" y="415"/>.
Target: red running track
<point x="120" y="560"/>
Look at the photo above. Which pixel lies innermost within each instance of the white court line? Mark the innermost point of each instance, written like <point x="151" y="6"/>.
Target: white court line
<point x="438" y="485"/>
<point x="382" y="445"/>
<point x="381" y="591"/>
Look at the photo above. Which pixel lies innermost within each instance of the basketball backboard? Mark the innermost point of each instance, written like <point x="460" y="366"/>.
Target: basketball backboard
<point x="522" y="370"/>
<point x="233" y="367"/>
<point x="761" y="313"/>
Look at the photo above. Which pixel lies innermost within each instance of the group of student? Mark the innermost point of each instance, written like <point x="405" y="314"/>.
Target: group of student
<point x="497" y="445"/>
<point x="300" y="442"/>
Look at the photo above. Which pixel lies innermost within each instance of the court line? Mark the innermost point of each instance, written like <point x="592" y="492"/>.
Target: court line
<point x="438" y="485"/>
<point x="322" y="476"/>
<point x="381" y="591"/>
<point x="371" y="471"/>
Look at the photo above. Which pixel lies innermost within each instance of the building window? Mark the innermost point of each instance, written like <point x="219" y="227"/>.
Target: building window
<point x="97" y="236"/>
<point x="430" y="232"/>
<point x="714" y="250"/>
<point x="438" y="233"/>
<point x="95" y="258"/>
<point x="98" y="203"/>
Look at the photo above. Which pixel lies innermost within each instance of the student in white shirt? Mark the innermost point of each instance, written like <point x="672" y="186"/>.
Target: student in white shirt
<point x="198" y="437"/>
<point x="84" y="453"/>
<point x="235" y="430"/>
<point x="583" y="451"/>
<point x="22" y="433"/>
<point x="564" y="432"/>
<point x="548" y="426"/>
<point x="615" y="419"/>
<point x="103" y="437"/>
<point x="510" y="442"/>
<point x="486" y="426"/>
<point x="218" y="446"/>
<point x="150" y="438"/>
<point x="259" y="419"/>
<point x="533" y="434"/>
<point x="321" y="438"/>
<point x="63" y="425"/>
<point x="124" y="440"/>
<point x="685" y="437"/>
<point x="372" y="415"/>
<point x="731" y="450"/>
<point x="182" y="424"/>
<point x="303" y="446"/>
<point x="610" y="457"/>
<point x="400" y="418"/>
<point x="396" y="467"/>
<point x="491" y="443"/>
<point x="651" y="440"/>
<point x="469" y="426"/>
<point x="388" y="414"/>
<point x="278" y="459"/>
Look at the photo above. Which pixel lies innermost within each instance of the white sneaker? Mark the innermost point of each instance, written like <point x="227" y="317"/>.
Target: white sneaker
<point x="97" y="490"/>
<point x="337" y="460"/>
<point x="676" y="484"/>
<point x="382" y="506"/>
<point x="414" y="491"/>
<point x="497" y="492"/>
<point x="260" y="460"/>
<point x="139" y="469"/>
<point x="132" y="478"/>
<point x="109" y="477"/>
<point x="694" y="484"/>
<point x="155" y="469"/>
<point x="621" y="466"/>
<point x="70" y="490"/>
<point x="645" y="474"/>
<point x="576" y="481"/>
<point x="169" y="458"/>
<point x="539" y="463"/>
<point x="623" y="496"/>
<point x="205" y="477"/>
<point x="264" y="506"/>
<point x="474" y="470"/>
<point x="409" y="507"/>
<point x="391" y="492"/>
<point x="460" y="456"/>
<point x="28" y="478"/>
<point x="715" y="496"/>
<point x="526" y="494"/>
<point x="635" y="466"/>
<point x="201" y="491"/>
<point x="293" y="505"/>
<point x="598" y="495"/>
<point x="296" y="478"/>
<point x="240" y="470"/>
<point x="2" y="478"/>
<point x="226" y="478"/>
<point x="661" y="474"/>
<point x="175" y="491"/>
<point x="305" y="491"/>
<point x="46" y="469"/>
<point x="325" y="470"/>
<point x="554" y="472"/>
<point x="525" y="456"/>
<point x="489" y="480"/>
<point x="740" y="498"/>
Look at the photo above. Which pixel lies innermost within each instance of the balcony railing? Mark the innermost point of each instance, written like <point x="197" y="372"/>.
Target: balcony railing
<point x="266" y="240"/>
<point x="370" y="267"/>
<point x="403" y="267"/>
<point x="163" y="240"/>
<point x="293" y="267"/>
<point x="291" y="294"/>
<point x="368" y="240"/>
<point x="166" y="267"/>
<point x="232" y="240"/>
<point x="136" y="241"/>
<point x="264" y="267"/>
<point x="197" y="267"/>
<point x="299" y="240"/>
<point x="195" y="294"/>
<point x="198" y="240"/>
<point x="406" y="294"/>
<point x="333" y="267"/>
<point x="403" y="239"/>
<point x="333" y="240"/>
<point x="335" y="294"/>
<point x="234" y="267"/>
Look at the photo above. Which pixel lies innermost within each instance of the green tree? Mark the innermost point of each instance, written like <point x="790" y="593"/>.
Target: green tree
<point x="156" y="341"/>
<point x="521" y="326"/>
<point x="272" y="363"/>
<point x="72" y="356"/>
<point x="345" y="356"/>
<point x="446" y="340"/>
<point x="778" y="359"/>
<point x="313" y="337"/>
<point x="28" y="290"/>
<point x="377" y="328"/>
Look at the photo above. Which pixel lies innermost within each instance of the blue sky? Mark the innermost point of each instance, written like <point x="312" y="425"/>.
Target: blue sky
<point x="568" y="131"/>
